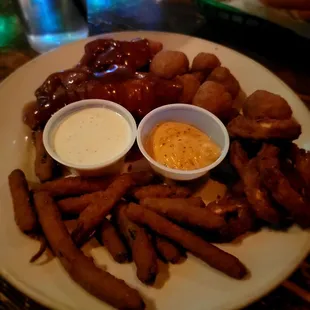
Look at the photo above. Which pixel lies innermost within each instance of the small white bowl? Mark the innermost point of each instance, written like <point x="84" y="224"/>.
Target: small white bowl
<point x="111" y="166"/>
<point x="189" y="114"/>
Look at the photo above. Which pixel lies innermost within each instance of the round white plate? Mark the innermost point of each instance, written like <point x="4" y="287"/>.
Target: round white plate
<point x="271" y="256"/>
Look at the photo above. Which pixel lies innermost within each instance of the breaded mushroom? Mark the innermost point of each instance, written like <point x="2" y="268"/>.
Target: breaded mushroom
<point x="205" y="62"/>
<point x="214" y="98"/>
<point x="190" y="86"/>
<point x="224" y="77"/>
<point x="263" y="104"/>
<point x="168" y="64"/>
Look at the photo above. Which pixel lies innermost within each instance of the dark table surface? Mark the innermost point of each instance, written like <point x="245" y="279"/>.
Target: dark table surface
<point x="280" y="50"/>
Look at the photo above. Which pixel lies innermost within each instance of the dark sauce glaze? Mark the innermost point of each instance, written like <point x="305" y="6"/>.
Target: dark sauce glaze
<point x="103" y="74"/>
<point x="100" y="54"/>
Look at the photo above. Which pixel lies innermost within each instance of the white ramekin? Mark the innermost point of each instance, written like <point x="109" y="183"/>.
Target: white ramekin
<point x="185" y="113"/>
<point x="111" y="166"/>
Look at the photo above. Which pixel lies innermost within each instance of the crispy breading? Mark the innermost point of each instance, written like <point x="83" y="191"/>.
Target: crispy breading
<point x="110" y="238"/>
<point x="280" y="188"/>
<point x="142" y="249"/>
<point x="182" y="211"/>
<point x="242" y="127"/>
<point x="209" y="253"/>
<point x="161" y="191"/>
<point x="81" y="268"/>
<point x="24" y="213"/>
<point x="263" y="104"/>
<point x="254" y="191"/>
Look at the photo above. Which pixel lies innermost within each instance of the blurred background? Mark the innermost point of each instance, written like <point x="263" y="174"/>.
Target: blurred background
<point x="278" y="38"/>
<point x="275" y="33"/>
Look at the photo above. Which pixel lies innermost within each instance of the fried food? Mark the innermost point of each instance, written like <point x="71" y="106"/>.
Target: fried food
<point x="237" y="189"/>
<point x="254" y="191"/>
<point x="97" y="209"/>
<point x="238" y="214"/>
<point x="25" y="216"/>
<point x="81" y="268"/>
<point x="280" y="188"/>
<point x="214" y="98"/>
<point x="76" y="205"/>
<point x="238" y="157"/>
<point x="182" y="211"/>
<point x="263" y="104"/>
<point x="224" y="77"/>
<point x="44" y="164"/>
<point x="109" y="237"/>
<point x="301" y="159"/>
<point x="190" y="86"/>
<point x="168" y="64"/>
<point x="242" y="127"/>
<point x="167" y="250"/>
<point x="155" y="47"/>
<point x="200" y="76"/>
<point x="143" y="252"/>
<point x="209" y="253"/>
<point x="161" y="191"/>
<point x="296" y="181"/>
<point x="205" y="62"/>
<point x="74" y="186"/>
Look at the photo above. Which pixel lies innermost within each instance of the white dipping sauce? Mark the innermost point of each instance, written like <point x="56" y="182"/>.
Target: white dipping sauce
<point x="91" y="136"/>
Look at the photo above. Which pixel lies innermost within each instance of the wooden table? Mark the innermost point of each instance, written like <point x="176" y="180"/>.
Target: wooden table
<point x="284" y="53"/>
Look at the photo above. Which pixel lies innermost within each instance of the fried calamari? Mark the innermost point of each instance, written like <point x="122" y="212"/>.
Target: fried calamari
<point x="254" y="191"/>
<point x="280" y="188"/>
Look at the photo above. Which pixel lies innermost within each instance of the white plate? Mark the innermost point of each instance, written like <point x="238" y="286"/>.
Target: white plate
<point x="271" y="256"/>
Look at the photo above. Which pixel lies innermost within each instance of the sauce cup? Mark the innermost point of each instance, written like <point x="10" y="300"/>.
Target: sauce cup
<point x="115" y="162"/>
<point x="198" y="117"/>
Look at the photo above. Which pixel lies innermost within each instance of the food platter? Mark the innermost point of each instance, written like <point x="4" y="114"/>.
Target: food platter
<point x="270" y="255"/>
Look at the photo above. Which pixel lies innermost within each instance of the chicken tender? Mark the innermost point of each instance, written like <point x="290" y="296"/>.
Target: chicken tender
<point x="263" y="104"/>
<point x="224" y="77"/>
<point x="242" y="127"/>
<point x="214" y="98"/>
<point x="168" y="64"/>
<point x="209" y="253"/>
<point x="190" y="86"/>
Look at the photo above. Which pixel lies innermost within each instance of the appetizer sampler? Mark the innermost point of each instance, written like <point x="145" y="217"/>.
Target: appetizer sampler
<point x="138" y="217"/>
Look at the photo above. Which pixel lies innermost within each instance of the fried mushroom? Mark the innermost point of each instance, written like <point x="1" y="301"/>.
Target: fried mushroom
<point x="190" y="86"/>
<point x="168" y="64"/>
<point x="263" y="104"/>
<point x="214" y="98"/>
<point x="224" y="77"/>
